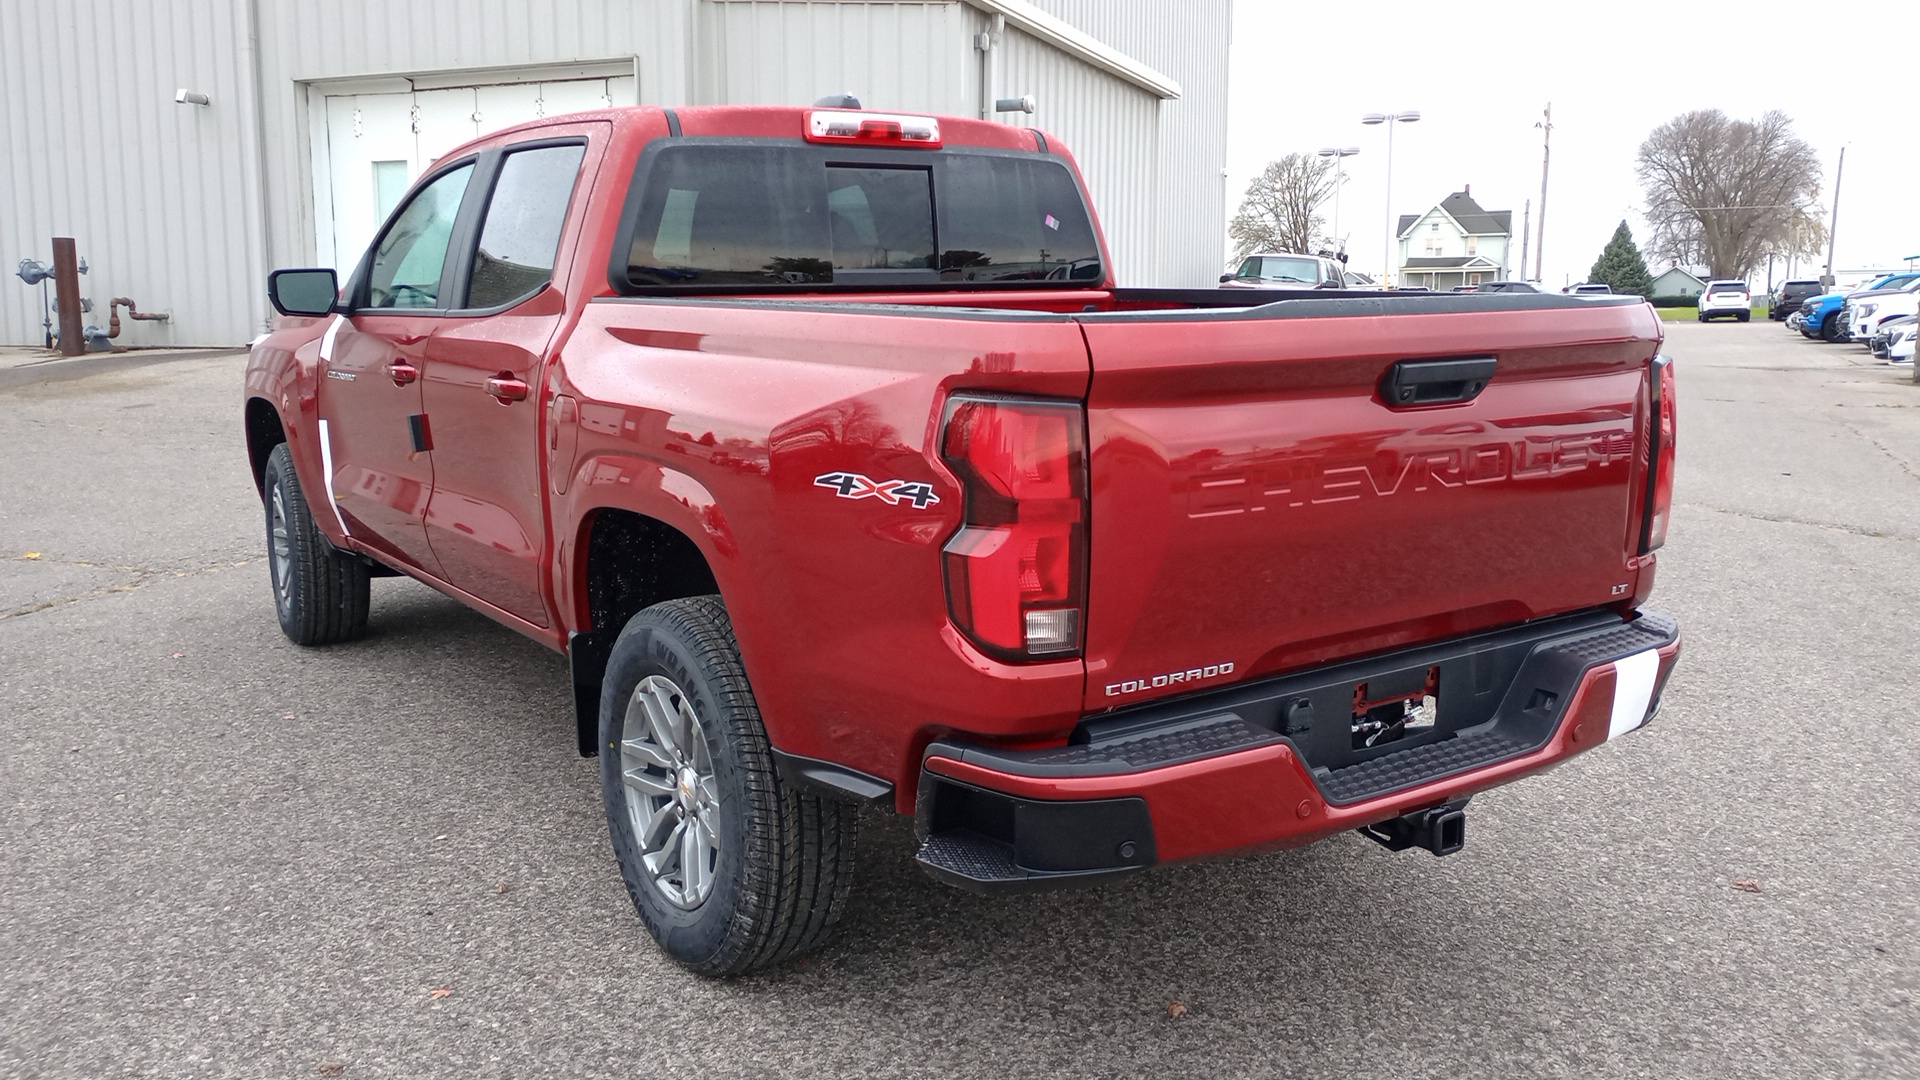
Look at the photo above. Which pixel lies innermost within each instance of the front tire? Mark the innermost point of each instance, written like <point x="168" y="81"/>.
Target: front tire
<point x="320" y="593"/>
<point x="1830" y="328"/>
<point x="730" y="868"/>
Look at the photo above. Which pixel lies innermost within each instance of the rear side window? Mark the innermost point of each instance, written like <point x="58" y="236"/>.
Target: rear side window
<point x="521" y="235"/>
<point x="778" y="215"/>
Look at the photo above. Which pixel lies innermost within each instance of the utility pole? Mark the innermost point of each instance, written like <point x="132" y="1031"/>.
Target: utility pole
<point x="1833" y="220"/>
<point x="1546" y="150"/>
<point x="1526" y="233"/>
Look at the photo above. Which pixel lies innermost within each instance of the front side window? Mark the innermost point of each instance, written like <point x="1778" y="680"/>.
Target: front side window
<point x="521" y="235"/>
<point x="410" y="259"/>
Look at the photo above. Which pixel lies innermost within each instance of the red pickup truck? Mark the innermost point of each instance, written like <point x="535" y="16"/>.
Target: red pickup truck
<point x="824" y="444"/>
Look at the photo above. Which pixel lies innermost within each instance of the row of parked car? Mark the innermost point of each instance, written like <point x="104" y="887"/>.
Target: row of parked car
<point x="1883" y="314"/>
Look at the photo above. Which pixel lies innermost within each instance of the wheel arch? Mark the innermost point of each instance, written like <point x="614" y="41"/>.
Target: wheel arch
<point x="264" y="432"/>
<point x="624" y="562"/>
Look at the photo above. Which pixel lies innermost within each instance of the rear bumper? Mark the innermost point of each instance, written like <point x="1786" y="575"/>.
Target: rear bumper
<point x="1245" y="770"/>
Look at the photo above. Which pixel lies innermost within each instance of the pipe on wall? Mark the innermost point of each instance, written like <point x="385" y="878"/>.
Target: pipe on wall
<point x="113" y="315"/>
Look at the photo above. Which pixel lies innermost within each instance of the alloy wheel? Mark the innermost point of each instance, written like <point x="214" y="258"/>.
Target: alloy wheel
<point x="280" y="548"/>
<point x="673" y="801"/>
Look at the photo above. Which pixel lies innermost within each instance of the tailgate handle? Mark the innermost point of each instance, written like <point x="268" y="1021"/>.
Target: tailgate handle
<point x="1436" y="382"/>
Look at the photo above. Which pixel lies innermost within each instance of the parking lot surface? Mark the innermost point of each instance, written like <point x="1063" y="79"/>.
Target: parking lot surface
<point x="222" y="855"/>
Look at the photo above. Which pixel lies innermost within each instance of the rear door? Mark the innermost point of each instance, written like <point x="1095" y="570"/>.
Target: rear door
<point x="1258" y="505"/>
<point x="381" y="470"/>
<point x="482" y="394"/>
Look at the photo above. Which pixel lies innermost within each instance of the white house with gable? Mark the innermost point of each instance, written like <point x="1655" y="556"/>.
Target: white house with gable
<point x="1455" y="243"/>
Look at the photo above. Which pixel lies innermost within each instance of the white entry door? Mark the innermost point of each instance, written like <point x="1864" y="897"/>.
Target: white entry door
<point x="376" y="145"/>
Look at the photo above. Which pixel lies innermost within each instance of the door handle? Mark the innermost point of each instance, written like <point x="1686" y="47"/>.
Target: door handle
<point x="402" y="373"/>
<point x="506" y="389"/>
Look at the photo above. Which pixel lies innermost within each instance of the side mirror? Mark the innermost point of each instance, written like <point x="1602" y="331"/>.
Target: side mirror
<point x="303" y="292"/>
<point x="1224" y="278"/>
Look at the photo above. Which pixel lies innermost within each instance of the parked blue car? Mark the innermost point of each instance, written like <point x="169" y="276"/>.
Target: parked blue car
<point x="1820" y="315"/>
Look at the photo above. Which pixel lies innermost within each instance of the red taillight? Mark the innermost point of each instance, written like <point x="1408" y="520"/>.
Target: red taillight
<point x="845" y="125"/>
<point x="1659" y="456"/>
<point x="1016" y="570"/>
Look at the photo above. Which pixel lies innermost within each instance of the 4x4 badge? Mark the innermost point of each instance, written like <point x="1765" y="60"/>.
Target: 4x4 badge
<point x="892" y="492"/>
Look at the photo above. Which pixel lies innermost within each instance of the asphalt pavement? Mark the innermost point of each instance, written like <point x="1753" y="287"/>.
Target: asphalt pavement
<point x="222" y="855"/>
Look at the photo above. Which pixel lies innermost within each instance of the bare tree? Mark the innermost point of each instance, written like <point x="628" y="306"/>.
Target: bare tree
<point x="1278" y="212"/>
<point x="1725" y="192"/>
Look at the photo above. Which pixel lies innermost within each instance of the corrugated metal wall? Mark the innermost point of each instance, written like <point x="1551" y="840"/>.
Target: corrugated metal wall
<point x="185" y="208"/>
<point x="1188" y="41"/>
<point x="1113" y="129"/>
<point x="913" y="56"/>
<point x="162" y="199"/>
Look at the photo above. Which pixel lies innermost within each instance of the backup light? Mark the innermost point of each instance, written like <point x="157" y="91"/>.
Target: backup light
<point x="847" y="126"/>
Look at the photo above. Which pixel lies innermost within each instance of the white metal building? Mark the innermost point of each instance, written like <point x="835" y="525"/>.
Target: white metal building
<point x="318" y="115"/>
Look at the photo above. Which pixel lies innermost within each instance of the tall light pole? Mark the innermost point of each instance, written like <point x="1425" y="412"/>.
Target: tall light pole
<point x="1540" y="238"/>
<point x="1833" y="221"/>
<point x="1339" y="155"/>
<point x="1386" y="245"/>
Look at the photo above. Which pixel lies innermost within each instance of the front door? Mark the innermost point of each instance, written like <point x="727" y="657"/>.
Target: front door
<point x="487" y="519"/>
<point x="376" y="438"/>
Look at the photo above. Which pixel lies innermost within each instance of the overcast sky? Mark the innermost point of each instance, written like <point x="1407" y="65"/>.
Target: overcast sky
<point x="1303" y="74"/>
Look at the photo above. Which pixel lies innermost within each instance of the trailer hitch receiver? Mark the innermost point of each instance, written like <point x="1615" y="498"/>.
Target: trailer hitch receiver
<point x="1439" y="829"/>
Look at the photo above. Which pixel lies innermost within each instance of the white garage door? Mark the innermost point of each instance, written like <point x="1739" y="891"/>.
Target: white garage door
<point x="377" y="144"/>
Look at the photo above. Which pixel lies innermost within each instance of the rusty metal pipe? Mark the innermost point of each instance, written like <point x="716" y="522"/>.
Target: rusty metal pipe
<point x="66" y="292"/>
<point x="113" y="315"/>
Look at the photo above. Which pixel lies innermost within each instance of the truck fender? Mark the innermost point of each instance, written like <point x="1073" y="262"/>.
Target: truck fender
<point x="631" y="503"/>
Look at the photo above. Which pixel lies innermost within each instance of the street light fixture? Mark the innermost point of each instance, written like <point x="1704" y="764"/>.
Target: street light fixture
<point x="1386" y="245"/>
<point x="1338" y="155"/>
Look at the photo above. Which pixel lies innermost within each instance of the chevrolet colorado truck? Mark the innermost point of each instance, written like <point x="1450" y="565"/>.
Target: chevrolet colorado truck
<point x="826" y="447"/>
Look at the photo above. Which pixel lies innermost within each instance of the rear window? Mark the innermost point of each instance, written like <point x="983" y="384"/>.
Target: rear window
<point x="775" y="215"/>
<point x="1740" y="285"/>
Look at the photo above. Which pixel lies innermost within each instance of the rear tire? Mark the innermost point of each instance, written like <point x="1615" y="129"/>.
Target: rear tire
<point x="731" y="869"/>
<point x="1744" y="316"/>
<point x="1703" y="317"/>
<point x="320" y="593"/>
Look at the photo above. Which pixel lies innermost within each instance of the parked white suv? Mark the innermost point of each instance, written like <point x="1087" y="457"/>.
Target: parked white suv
<point x="1726" y="298"/>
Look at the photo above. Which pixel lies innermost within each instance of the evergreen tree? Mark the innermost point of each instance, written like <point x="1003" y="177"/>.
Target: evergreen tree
<point x="1620" y="266"/>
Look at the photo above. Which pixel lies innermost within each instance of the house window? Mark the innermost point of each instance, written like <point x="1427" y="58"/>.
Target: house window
<point x="1473" y="245"/>
<point x="1433" y="245"/>
<point x="1435" y="226"/>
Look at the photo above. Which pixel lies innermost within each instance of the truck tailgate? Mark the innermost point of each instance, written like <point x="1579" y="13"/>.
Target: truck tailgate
<point x="1259" y="507"/>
